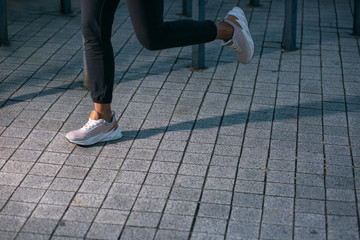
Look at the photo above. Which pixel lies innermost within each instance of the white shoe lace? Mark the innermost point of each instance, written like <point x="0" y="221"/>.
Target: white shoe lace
<point x="236" y="46"/>
<point x="89" y="125"/>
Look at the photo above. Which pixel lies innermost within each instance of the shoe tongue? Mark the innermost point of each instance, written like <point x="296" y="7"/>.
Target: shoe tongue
<point x="94" y="115"/>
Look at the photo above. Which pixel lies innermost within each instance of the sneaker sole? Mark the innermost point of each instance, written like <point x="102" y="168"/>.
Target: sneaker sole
<point x="109" y="136"/>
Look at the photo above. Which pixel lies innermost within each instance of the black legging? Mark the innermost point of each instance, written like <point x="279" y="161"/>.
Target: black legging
<point x="151" y="30"/>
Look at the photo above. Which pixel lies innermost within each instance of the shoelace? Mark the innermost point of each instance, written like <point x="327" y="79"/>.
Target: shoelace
<point x="236" y="46"/>
<point x="90" y="124"/>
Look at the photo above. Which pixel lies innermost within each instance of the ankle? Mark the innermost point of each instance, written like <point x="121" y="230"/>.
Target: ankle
<point x="104" y="111"/>
<point x="107" y="116"/>
<point x="224" y="31"/>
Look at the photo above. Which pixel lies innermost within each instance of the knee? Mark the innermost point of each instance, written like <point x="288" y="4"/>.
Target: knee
<point x="89" y="32"/>
<point x="151" y="39"/>
<point x="150" y="42"/>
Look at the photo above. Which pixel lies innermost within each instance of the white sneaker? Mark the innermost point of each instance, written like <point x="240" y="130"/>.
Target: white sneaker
<point x="95" y="130"/>
<point x="241" y="42"/>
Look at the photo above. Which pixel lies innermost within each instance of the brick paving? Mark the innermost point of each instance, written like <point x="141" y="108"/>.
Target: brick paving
<point x="267" y="150"/>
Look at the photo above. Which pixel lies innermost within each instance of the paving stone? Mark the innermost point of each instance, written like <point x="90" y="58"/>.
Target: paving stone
<point x="251" y="174"/>
<point x="281" y="165"/>
<point x="124" y="189"/>
<point x="148" y="191"/>
<point x="247" y="200"/>
<point x="280" y="177"/>
<point x="130" y="177"/>
<point x="108" y="163"/>
<point x="343" y="234"/>
<point x="80" y="214"/>
<point x="64" y="184"/>
<point x="73" y="172"/>
<point x="42" y="182"/>
<point x="49" y="211"/>
<point x="164" y="167"/>
<point x="310" y="206"/>
<point x="159" y="179"/>
<point x="219" y="184"/>
<point x="200" y="148"/>
<point x="17" y="167"/>
<point x="209" y="225"/>
<point x="180" y="207"/>
<point x="11" y="179"/>
<point x="189" y="181"/>
<point x="95" y="187"/>
<point x="225" y="161"/>
<point x="243" y="229"/>
<point x="118" y="202"/>
<point x="29" y="195"/>
<point x="101" y="175"/>
<point x="6" y="191"/>
<point x="276" y="231"/>
<point x="53" y="158"/>
<point x="309" y="233"/>
<point x="168" y="156"/>
<point x="28" y="155"/>
<point x="171" y="234"/>
<point x="345" y="195"/>
<point x="72" y="229"/>
<point x="6" y="152"/>
<point x="214" y="211"/>
<point x="342" y="223"/>
<point x="131" y="232"/>
<point x="249" y="187"/>
<point x="216" y="196"/>
<point x="310" y="192"/>
<point x="310" y="179"/>
<point x="149" y="205"/>
<point x="280" y="189"/>
<point x="311" y="157"/>
<point x="310" y="220"/>
<point x="80" y="161"/>
<point x="311" y="168"/>
<point x="204" y="235"/>
<point x="57" y="197"/>
<point x="32" y="236"/>
<point x="176" y="222"/>
<point x="245" y="214"/>
<point x="341" y="208"/>
<point x="277" y="202"/>
<point x="104" y="231"/>
<point x="222" y="172"/>
<point x="144" y="219"/>
<point x="340" y="182"/>
<point x="11" y="223"/>
<point x="111" y="216"/>
<point x="193" y="170"/>
<point x="40" y="225"/>
<point x="45" y="169"/>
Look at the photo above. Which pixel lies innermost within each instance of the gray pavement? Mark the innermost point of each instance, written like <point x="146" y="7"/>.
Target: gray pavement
<point x="267" y="150"/>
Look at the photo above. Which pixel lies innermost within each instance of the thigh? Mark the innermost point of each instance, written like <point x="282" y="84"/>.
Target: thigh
<point x="146" y="15"/>
<point x="97" y="17"/>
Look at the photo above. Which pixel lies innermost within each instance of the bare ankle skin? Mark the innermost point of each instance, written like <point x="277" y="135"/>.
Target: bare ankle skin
<point x="104" y="110"/>
<point x="224" y="31"/>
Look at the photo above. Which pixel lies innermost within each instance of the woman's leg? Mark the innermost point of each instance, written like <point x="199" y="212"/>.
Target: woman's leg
<point x="154" y="34"/>
<point x="97" y="18"/>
